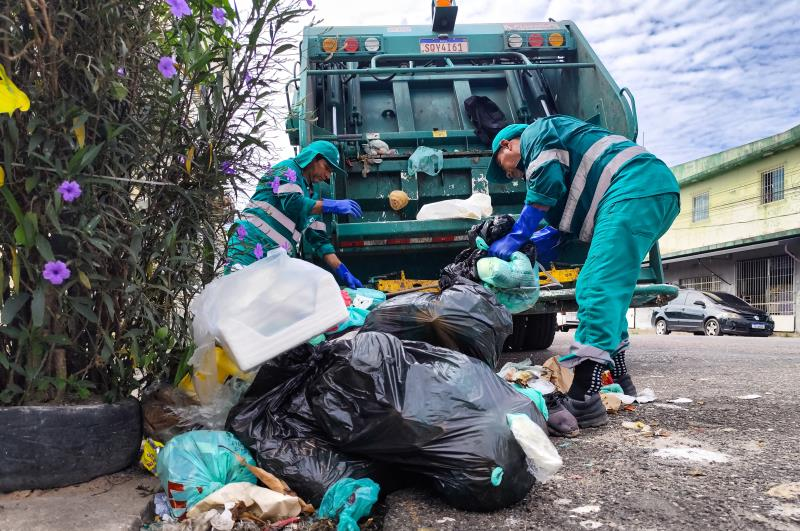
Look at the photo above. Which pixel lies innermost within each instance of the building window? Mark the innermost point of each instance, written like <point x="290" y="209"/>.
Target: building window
<point x="706" y="283"/>
<point x="767" y="284"/>
<point x="700" y="207"/>
<point x="772" y="185"/>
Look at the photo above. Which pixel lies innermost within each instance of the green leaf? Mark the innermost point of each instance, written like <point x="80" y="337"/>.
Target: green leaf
<point x="37" y="308"/>
<point x="118" y="91"/>
<point x="11" y="306"/>
<point x="85" y="310"/>
<point x="30" y="183"/>
<point x="84" y="280"/>
<point x="282" y="48"/>
<point x="12" y="202"/>
<point x="43" y="246"/>
<point x="19" y="236"/>
<point x="90" y="155"/>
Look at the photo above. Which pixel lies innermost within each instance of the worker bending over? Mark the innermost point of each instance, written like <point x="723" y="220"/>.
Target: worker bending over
<point x="284" y="208"/>
<point x="602" y="189"/>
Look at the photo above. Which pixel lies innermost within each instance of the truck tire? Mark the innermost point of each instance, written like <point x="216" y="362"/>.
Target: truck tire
<point x="532" y="332"/>
<point x="53" y="446"/>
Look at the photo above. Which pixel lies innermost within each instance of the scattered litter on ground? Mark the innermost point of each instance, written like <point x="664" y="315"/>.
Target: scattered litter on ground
<point x="590" y="524"/>
<point x="445" y="520"/>
<point x="692" y="454"/>
<point x="748" y="397"/>
<point x="562" y="501"/>
<point x="646" y="396"/>
<point x="586" y="509"/>
<point x="787" y="491"/>
<point x="680" y="401"/>
<point x="668" y="406"/>
<point x="645" y="429"/>
<point x="349" y="500"/>
<point x="695" y="472"/>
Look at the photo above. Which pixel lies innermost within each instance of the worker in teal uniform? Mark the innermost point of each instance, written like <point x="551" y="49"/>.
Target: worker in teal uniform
<point x="284" y="208"/>
<point x="603" y="189"/>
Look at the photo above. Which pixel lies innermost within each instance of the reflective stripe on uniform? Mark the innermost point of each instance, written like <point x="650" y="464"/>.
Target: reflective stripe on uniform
<point x="267" y="230"/>
<point x="275" y="213"/>
<point x="547" y="155"/>
<point x="318" y="225"/>
<point x="290" y="188"/>
<point x="581" y="174"/>
<point x="602" y="186"/>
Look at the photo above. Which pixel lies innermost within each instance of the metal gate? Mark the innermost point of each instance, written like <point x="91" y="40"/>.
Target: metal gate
<point x="704" y="283"/>
<point x="767" y="284"/>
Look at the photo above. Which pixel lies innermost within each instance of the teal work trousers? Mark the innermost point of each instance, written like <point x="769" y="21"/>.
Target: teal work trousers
<point x="624" y="233"/>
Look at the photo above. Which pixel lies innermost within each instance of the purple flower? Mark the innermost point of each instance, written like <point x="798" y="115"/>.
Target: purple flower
<point x="258" y="251"/>
<point x="69" y="190"/>
<point x="310" y="3"/>
<point x="248" y="79"/>
<point x="291" y="175"/>
<point x="227" y="168"/>
<point x="276" y="183"/>
<point x="121" y="72"/>
<point x="166" y="65"/>
<point x="179" y="8"/>
<point x="218" y="14"/>
<point x="241" y="232"/>
<point x="56" y="272"/>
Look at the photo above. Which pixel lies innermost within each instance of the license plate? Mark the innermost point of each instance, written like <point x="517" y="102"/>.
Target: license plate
<point x="759" y="326"/>
<point x="454" y="45"/>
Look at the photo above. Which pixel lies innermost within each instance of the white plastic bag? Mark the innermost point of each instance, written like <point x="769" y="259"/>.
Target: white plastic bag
<point x="542" y="455"/>
<point x="265" y="309"/>
<point x="478" y="206"/>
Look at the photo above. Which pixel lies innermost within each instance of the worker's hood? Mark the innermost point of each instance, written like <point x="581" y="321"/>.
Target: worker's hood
<point x="494" y="173"/>
<point x="320" y="147"/>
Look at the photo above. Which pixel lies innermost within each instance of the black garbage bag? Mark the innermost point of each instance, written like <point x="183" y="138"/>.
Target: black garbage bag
<point x="274" y="421"/>
<point x="464" y="265"/>
<point x="465" y="317"/>
<point x="431" y="411"/>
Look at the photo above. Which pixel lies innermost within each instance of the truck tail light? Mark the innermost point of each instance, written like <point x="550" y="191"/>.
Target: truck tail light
<point x="350" y="44"/>
<point x="556" y="39"/>
<point x="514" y="41"/>
<point x="535" y="40"/>
<point x="372" y="44"/>
<point x="329" y="45"/>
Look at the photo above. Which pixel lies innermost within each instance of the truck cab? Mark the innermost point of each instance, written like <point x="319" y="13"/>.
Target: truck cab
<point x="407" y="86"/>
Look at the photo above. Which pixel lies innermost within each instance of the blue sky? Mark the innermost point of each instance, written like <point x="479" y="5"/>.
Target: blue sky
<point x="707" y="75"/>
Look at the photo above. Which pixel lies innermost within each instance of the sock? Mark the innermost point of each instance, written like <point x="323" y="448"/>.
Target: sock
<point x="620" y="369"/>
<point x="586" y="380"/>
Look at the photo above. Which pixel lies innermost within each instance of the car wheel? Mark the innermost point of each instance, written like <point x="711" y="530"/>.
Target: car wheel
<point x="712" y="328"/>
<point x="661" y="328"/>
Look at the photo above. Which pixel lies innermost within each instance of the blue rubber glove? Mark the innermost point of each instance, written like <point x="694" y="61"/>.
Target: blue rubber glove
<point x="346" y="207"/>
<point x="347" y="277"/>
<point x="545" y="241"/>
<point x="522" y="231"/>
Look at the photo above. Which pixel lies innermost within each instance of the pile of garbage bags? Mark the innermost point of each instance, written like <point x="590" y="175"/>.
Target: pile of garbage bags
<point x="374" y="406"/>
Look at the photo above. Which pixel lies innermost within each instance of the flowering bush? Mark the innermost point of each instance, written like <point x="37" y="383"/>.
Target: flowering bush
<point x="144" y="119"/>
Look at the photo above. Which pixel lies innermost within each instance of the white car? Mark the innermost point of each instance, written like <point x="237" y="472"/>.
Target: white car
<point x="567" y="320"/>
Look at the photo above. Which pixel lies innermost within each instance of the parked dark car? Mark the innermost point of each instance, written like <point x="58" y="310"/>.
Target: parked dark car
<point x="712" y="313"/>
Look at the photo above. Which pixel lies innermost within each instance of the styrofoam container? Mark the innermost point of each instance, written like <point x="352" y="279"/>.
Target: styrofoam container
<point x="267" y="308"/>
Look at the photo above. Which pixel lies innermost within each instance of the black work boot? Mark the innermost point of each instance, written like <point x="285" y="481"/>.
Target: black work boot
<point x="590" y="412"/>
<point x="560" y="422"/>
<point x="627" y="384"/>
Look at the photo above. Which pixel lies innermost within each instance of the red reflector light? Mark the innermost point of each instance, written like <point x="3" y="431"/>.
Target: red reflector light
<point x="350" y="44"/>
<point x="535" y="40"/>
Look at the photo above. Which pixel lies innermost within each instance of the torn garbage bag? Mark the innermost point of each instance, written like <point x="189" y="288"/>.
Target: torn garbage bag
<point x="466" y="317"/>
<point x="426" y="160"/>
<point x="431" y="411"/>
<point x="275" y="422"/>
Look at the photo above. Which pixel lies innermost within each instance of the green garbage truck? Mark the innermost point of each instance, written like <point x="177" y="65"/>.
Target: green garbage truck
<point x="406" y="86"/>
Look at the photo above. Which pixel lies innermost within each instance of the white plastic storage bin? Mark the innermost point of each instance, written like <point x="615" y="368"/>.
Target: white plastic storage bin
<point x="266" y="308"/>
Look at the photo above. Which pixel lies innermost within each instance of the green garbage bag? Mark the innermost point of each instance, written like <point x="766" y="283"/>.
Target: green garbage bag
<point x="195" y="464"/>
<point x="427" y="160"/>
<point x="515" y="284"/>
<point x="350" y="500"/>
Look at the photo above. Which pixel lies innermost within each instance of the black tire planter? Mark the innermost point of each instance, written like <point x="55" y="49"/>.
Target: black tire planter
<point x="53" y="446"/>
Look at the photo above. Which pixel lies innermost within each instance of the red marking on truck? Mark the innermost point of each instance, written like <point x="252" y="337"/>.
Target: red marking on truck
<point x="403" y="241"/>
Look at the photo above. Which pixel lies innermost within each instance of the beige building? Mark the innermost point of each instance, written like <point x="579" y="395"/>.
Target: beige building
<point x="739" y="226"/>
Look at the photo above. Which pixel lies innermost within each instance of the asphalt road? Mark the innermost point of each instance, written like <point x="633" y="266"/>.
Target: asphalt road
<point x="615" y="478"/>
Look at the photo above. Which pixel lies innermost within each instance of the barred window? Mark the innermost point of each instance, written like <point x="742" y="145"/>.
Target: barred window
<point x="772" y="185"/>
<point x="767" y="284"/>
<point x="700" y="207"/>
<point x="704" y="283"/>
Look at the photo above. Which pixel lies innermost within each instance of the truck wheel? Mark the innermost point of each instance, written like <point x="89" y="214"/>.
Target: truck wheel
<point x="540" y="331"/>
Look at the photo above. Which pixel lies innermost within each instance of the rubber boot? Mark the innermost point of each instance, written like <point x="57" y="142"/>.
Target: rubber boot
<point x="626" y="383"/>
<point x="590" y="413"/>
<point x="560" y="422"/>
